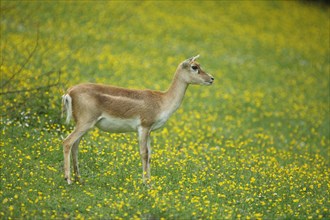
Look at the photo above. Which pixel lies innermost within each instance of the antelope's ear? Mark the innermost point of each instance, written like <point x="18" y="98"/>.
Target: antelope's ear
<point x="189" y="61"/>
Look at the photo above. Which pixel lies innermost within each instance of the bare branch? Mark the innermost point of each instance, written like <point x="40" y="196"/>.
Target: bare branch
<point x="29" y="90"/>
<point x="36" y="88"/>
<point x="26" y="61"/>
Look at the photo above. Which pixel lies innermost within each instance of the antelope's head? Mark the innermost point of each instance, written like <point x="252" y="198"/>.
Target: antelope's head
<point x="192" y="73"/>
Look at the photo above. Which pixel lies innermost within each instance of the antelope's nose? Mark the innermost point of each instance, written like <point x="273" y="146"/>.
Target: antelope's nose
<point x="212" y="78"/>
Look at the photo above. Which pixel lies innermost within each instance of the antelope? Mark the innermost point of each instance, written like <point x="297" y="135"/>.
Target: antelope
<point x="120" y="110"/>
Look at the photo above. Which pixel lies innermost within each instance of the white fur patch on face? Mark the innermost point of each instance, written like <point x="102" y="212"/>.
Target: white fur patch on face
<point x="117" y="125"/>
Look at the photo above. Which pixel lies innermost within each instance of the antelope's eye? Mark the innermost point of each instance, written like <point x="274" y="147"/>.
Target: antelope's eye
<point x="194" y="67"/>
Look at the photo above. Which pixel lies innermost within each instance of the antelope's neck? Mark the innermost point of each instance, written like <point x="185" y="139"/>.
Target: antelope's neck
<point x="173" y="97"/>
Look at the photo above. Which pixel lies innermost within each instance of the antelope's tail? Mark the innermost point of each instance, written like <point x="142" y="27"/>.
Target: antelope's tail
<point x="67" y="107"/>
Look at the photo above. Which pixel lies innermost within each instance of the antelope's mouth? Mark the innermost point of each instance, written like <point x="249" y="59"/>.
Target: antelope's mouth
<point x="210" y="82"/>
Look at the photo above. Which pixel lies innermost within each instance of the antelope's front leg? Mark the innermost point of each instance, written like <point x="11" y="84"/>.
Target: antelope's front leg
<point x="145" y="152"/>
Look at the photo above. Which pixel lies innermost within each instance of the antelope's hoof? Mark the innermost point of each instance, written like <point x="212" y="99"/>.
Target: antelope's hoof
<point x="68" y="180"/>
<point x="147" y="183"/>
<point x="78" y="180"/>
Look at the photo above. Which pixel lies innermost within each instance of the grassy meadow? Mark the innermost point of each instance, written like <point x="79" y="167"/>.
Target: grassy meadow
<point x="255" y="145"/>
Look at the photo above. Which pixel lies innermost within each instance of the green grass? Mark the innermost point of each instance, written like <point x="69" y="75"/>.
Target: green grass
<point x="255" y="145"/>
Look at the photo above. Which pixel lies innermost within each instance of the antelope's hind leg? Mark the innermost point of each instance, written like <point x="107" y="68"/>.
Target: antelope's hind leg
<point x="74" y="152"/>
<point x="72" y="141"/>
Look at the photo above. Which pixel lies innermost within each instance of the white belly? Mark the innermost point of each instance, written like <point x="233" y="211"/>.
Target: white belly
<point x="117" y="125"/>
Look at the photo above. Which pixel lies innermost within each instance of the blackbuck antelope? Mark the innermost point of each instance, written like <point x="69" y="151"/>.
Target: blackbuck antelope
<point x="119" y="110"/>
